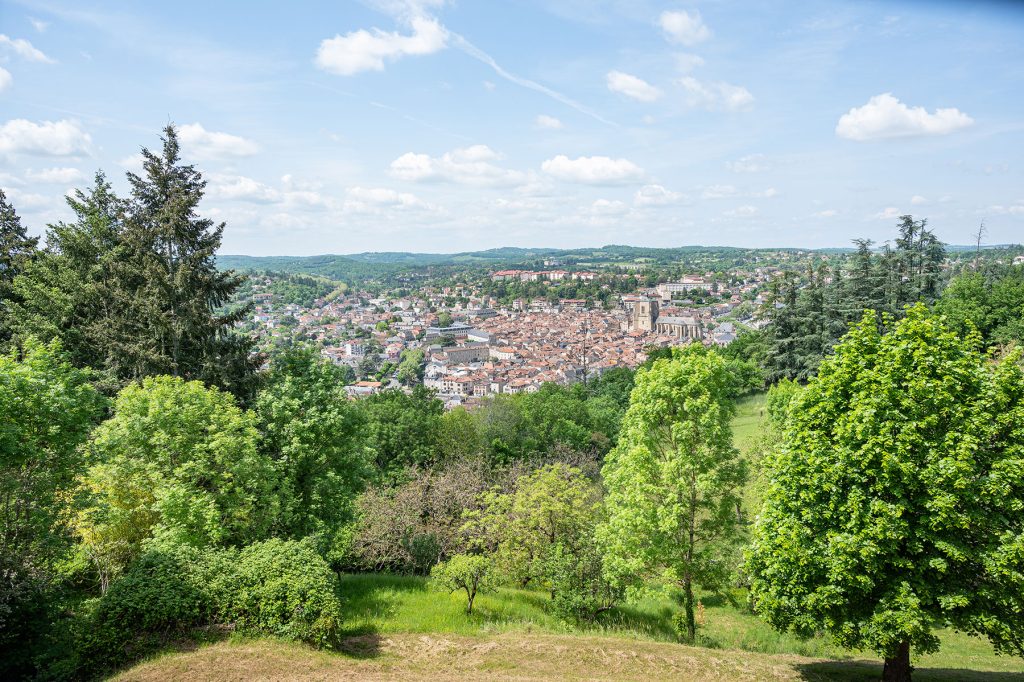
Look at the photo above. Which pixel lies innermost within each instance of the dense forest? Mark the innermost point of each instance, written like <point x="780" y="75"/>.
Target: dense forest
<point x="156" y="483"/>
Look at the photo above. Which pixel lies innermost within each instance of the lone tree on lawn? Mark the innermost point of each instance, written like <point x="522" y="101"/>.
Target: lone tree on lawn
<point x="674" y="479"/>
<point x="897" y="498"/>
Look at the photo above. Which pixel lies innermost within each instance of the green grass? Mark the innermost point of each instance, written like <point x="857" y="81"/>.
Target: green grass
<point x="746" y="424"/>
<point x="390" y="604"/>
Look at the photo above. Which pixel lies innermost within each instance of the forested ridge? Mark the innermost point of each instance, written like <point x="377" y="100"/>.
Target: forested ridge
<point x="161" y="480"/>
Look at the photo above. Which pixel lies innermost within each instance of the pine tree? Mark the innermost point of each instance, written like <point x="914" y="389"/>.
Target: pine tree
<point x="169" y="288"/>
<point x="16" y="251"/>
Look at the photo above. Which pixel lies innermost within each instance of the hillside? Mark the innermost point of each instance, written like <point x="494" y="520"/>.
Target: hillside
<point x="518" y="656"/>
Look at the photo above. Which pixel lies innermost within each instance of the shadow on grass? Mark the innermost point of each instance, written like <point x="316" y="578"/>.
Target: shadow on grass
<point x="361" y="642"/>
<point x="657" y="625"/>
<point x="864" y="671"/>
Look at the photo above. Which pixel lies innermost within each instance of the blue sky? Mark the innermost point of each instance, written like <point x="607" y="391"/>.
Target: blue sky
<point x="338" y="127"/>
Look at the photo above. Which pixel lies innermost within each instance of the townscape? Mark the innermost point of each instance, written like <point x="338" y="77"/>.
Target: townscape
<point x="537" y="340"/>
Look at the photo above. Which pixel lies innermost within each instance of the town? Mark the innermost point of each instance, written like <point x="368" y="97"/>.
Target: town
<point x="470" y="346"/>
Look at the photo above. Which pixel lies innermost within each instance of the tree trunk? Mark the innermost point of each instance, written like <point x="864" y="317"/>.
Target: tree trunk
<point x="897" y="667"/>
<point x="691" y="622"/>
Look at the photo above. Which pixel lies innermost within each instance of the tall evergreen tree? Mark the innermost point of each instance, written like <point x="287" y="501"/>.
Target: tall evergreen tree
<point x="169" y="284"/>
<point x="66" y="293"/>
<point x="16" y="251"/>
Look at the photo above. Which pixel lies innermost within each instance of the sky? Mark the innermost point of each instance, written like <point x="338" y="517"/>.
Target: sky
<point x="433" y="126"/>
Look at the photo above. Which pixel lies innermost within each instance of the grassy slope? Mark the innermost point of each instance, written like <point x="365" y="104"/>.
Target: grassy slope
<point x="398" y="627"/>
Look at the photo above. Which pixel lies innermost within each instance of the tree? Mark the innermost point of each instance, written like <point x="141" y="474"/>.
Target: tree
<point x="16" y="251"/>
<point x="553" y="505"/>
<point x="169" y="286"/>
<point x="444" y="319"/>
<point x="180" y="461"/>
<point x="402" y="429"/>
<point x="991" y="302"/>
<point x="67" y="292"/>
<point x="465" y="572"/>
<point x="313" y="434"/>
<point x="47" y="408"/>
<point x="674" y="478"/>
<point x="894" y="506"/>
<point x="410" y="369"/>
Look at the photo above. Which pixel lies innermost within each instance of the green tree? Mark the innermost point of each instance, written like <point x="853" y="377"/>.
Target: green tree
<point x="313" y="434"/>
<point x="180" y="460"/>
<point x="47" y="408"/>
<point x="896" y="496"/>
<point x="553" y="505"/>
<point x="169" y="287"/>
<point x="469" y="573"/>
<point x="16" y="251"/>
<point x="410" y="369"/>
<point x="991" y="302"/>
<point x="67" y="293"/>
<point x="444" y="319"/>
<point x="402" y="429"/>
<point x="674" y="478"/>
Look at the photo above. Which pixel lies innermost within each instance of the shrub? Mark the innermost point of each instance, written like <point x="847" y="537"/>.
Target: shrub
<point x="284" y="588"/>
<point x="464" y="572"/>
<point x="579" y="590"/>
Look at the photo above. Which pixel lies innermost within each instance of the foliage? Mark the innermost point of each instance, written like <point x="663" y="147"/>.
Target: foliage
<point x="470" y="573"/>
<point x="810" y="314"/>
<point x="402" y="429"/>
<point x="553" y="505"/>
<point x="16" y="252"/>
<point x="284" y="588"/>
<point x="991" y="302"/>
<point x="313" y="435"/>
<point x="47" y="408"/>
<point x="410" y="368"/>
<point x="177" y="460"/>
<point x="412" y="525"/>
<point x="896" y="496"/>
<point x="68" y="291"/>
<point x="673" y="479"/>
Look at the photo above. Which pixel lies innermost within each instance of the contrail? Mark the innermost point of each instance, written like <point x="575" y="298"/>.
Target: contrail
<point x="478" y="54"/>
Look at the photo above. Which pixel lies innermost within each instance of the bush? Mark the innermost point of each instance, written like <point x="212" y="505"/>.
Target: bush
<point x="464" y="572"/>
<point x="163" y="593"/>
<point x="277" y="587"/>
<point x="284" y="588"/>
<point x="579" y="590"/>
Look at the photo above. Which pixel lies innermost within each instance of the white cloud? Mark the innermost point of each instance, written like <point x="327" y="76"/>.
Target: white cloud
<point x="655" y="195"/>
<point x="918" y="200"/>
<point x="491" y="87"/>
<point x="608" y="207"/>
<point x="39" y="24"/>
<point x="56" y="176"/>
<point x="50" y="138"/>
<point x="24" y="49"/>
<point x="827" y="213"/>
<point x="885" y="117"/>
<point x="684" y="27"/>
<point x="633" y="87"/>
<point x="765" y="194"/>
<point x="741" y="212"/>
<point x="472" y="165"/>
<point x="207" y="144"/>
<point x="132" y="162"/>
<point x="888" y="213"/>
<point x="240" y="188"/>
<point x="719" y="191"/>
<point x="715" y="95"/>
<point x="593" y="170"/>
<point x="368" y="199"/>
<point x="1013" y="209"/>
<point x="362" y="50"/>
<point x="548" y="122"/>
<point x="752" y="163"/>
<point x="24" y="201"/>
<point x="5" y="79"/>
<point x="688" y="62"/>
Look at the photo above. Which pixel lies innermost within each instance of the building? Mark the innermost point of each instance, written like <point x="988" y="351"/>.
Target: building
<point x="643" y="314"/>
<point x="682" y="328"/>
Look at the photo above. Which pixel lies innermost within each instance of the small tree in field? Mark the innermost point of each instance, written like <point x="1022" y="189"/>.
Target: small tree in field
<point x="897" y="498"/>
<point x="674" y="478"/>
<point x="465" y="572"/>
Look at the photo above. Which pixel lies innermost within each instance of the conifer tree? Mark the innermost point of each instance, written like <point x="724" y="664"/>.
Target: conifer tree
<point x="16" y="250"/>
<point x="169" y="286"/>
